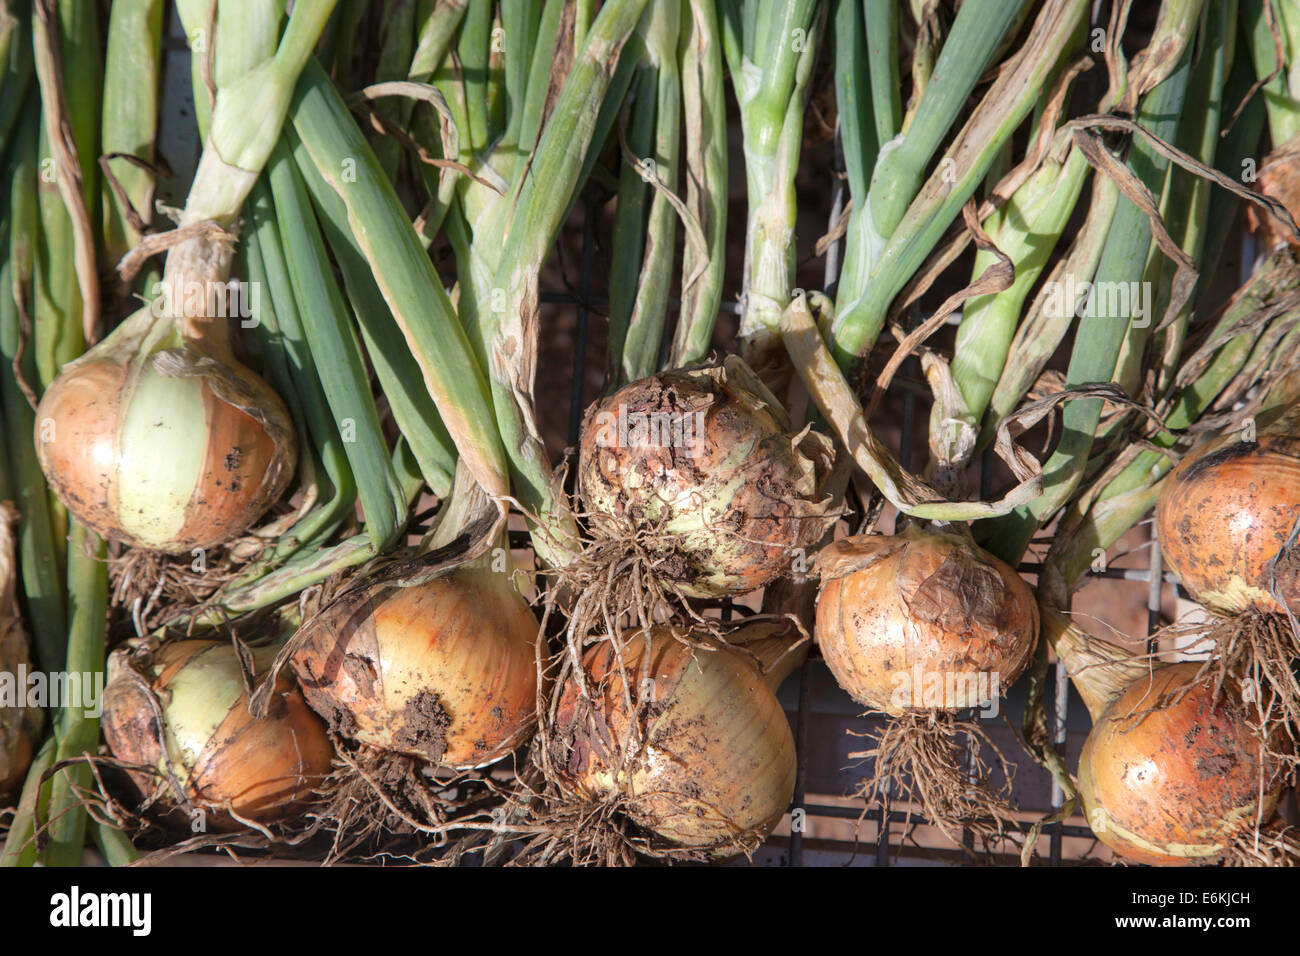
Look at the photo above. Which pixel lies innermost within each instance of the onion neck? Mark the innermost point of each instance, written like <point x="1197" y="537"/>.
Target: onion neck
<point x="1101" y="671"/>
<point x="777" y="648"/>
<point x="197" y="269"/>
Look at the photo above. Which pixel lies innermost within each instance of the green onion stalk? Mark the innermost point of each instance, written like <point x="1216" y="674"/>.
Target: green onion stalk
<point x="705" y="131"/>
<point x="770" y="50"/>
<point x="920" y="221"/>
<point x="1025" y="229"/>
<point x="644" y="246"/>
<point x="526" y="173"/>
<point x="1184" y="208"/>
<point x="1103" y="329"/>
<point x="895" y="222"/>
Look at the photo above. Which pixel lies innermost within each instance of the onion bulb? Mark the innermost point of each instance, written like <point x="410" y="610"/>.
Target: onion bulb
<point x="705" y="458"/>
<point x="159" y="437"/>
<point x="443" y="671"/>
<point x="922" y="620"/>
<point x="704" y="758"/>
<point x="226" y="762"/>
<point x="1172" y="780"/>
<point x="19" y="725"/>
<point x="1225" y="513"/>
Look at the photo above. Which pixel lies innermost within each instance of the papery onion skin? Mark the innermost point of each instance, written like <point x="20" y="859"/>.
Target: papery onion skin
<point x="719" y="760"/>
<point x="921" y="602"/>
<point x="443" y="671"/>
<point x="19" y="725"/>
<point x="1176" y="786"/>
<point x="739" y="496"/>
<point x="1279" y="177"/>
<point x="163" y="461"/>
<point x="1226" y="511"/>
<point x="224" y="758"/>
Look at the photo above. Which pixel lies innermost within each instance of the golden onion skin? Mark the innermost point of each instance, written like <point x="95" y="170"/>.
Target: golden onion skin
<point x="1226" y="511"/>
<point x="719" y="759"/>
<point x="160" y="461"/>
<point x="443" y="671"/>
<point x="224" y="758"/>
<point x="737" y="498"/>
<point x="924" y="602"/>
<point x="1174" y="785"/>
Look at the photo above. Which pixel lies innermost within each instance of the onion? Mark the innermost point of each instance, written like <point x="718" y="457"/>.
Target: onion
<point x="443" y="671"/>
<point x="19" y="725"/>
<point x="160" y="438"/>
<point x="921" y="625"/>
<point x="704" y="758"/>
<point x="704" y="458"/>
<point x="1174" y="780"/>
<point x="922" y="605"/>
<point x="225" y="761"/>
<point x="1225" y="513"/>
<point x="1279" y="177"/>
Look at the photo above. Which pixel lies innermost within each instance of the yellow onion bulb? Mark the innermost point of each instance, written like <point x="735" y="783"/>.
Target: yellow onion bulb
<point x="1174" y="781"/>
<point x="1225" y="513"/>
<point x="922" y="620"/>
<point x="163" y="441"/>
<point x="718" y="761"/>
<point x="443" y="671"/>
<point x="19" y="724"/>
<point x="228" y="763"/>
<point x="705" y="456"/>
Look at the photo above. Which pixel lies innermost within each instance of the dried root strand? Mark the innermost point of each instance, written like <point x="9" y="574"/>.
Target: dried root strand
<point x="379" y="805"/>
<point x="622" y="580"/>
<point x="916" y="757"/>
<point x="149" y="588"/>
<point x="1269" y="846"/>
<point x="1258" y="650"/>
<point x="556" y="825"/>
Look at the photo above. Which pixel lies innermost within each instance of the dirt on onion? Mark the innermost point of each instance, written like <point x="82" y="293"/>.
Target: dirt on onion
<point x="1227" y="520"/>
<point x="921" y="626"/>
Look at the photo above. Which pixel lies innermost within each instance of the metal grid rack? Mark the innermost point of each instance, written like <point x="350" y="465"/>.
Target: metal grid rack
<point x="799" y="686"/>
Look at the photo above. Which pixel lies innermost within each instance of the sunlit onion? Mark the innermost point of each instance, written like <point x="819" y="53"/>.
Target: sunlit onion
<point x="706" y="458"/>
<point x="164" y="441"/>
<point x="716" y="769"/>
<point x="1225" y="513"/>
<point x="1175" y="783"/>
<point x="223" y="758"/>
<point x="922" y="620"/>
<point x="443" y="671"/>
